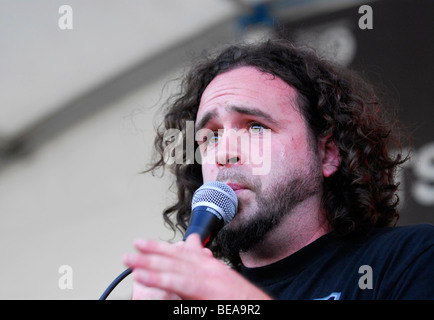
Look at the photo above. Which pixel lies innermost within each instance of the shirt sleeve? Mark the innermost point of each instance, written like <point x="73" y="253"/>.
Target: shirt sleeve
<point x="416" y="281"/>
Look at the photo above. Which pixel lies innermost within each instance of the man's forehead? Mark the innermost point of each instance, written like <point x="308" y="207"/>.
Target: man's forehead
<point x="255" y="87"/>
<point x="246" y="77"/>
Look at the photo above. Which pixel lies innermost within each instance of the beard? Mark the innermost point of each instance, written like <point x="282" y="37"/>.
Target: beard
<point x="273" y="205"/>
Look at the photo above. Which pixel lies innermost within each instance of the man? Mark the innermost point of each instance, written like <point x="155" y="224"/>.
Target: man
<point x="313" y="226"/>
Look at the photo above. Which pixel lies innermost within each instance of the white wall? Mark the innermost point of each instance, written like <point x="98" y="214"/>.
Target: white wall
<point x="80" y="201"/>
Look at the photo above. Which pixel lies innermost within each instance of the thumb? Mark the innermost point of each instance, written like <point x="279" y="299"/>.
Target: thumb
<point x="193" y="242"/>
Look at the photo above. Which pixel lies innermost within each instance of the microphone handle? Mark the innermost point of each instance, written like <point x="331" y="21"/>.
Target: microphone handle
<point x="205" y="221"/>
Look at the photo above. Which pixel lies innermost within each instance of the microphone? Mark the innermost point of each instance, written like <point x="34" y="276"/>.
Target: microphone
<point x="213" y="206"/>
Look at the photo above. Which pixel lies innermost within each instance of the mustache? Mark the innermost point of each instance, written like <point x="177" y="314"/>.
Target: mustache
<point x="235" y="176"/>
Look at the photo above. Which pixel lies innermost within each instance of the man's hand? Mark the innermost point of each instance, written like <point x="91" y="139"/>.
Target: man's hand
<point x="185" y="270"/>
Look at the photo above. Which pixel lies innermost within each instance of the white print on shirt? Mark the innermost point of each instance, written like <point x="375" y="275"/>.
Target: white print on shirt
<point x="331" y="296"/>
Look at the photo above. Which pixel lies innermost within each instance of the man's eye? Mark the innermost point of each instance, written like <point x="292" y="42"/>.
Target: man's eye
<point x="256" y="128"/>
<point x="213" y="138"/>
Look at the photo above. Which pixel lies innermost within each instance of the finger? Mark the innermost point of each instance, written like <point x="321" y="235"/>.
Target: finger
<point x="165" y="257"/>
<point x="208" y="252"/>
<point x="157" y="247"/>
<point x="141" y="292"/>
<point x="179" y="244"/>
<point x="177" y="284"/>
<point x="153" y="262"/>
<point x="193" y="242"/>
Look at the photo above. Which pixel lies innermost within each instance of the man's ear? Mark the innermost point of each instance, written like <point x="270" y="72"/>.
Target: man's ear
<point x="329" y="155"/>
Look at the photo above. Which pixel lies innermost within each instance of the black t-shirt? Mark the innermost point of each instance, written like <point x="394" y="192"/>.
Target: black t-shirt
<point x="391" y="263"/>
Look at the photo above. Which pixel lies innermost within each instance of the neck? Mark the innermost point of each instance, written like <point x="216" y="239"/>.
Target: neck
<point x="299" y="228"/>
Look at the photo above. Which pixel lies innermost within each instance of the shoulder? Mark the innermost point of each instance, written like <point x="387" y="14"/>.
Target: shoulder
<point x="401" y="256"/>
<point x="421" y="235"/>
<point x="408" y="232"/>
<point x="404" y="241"/>
<point x="412" y="230"/>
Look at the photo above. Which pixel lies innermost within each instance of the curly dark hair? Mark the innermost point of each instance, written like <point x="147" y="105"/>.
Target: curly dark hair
<point x="335" y="102"/>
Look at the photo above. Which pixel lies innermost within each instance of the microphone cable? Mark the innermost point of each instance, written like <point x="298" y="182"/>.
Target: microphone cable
<point x="115" y="282"/>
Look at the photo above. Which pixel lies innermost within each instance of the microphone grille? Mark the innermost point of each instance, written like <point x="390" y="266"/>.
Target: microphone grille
<point x="219" y="196"/>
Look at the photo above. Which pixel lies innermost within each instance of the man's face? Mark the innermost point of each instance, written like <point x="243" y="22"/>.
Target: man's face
<point x="247" y="105"/>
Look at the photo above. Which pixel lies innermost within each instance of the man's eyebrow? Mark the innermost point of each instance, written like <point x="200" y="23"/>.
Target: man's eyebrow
<point x="254" y="112"/>
<point x="207" y="117"/>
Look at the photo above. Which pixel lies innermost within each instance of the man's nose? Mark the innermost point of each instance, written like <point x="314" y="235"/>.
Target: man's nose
<point x="232" y="148"/>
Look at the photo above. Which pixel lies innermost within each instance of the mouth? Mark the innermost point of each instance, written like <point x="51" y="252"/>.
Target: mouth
<point x="238" y="188"/>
